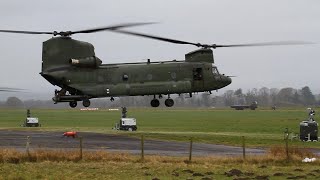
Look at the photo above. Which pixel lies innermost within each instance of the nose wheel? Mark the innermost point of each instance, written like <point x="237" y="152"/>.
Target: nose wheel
<point x="169" y="102"/>
<point x="73" y="104"/>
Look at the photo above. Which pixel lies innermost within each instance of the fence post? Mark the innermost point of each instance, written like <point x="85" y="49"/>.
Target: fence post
<point x="28" y="146"/>
<point x="286" y="138"/>
<point x="190" y="150"/>
<point x="80" y="148"/>
<point x="287" y="147"/>
<point x="243" y="148"/>
<point x="142" y="147"/>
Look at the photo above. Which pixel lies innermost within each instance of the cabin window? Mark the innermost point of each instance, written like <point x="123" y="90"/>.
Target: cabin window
<point x="125" y="77"/>
<point x="197" y="74"/>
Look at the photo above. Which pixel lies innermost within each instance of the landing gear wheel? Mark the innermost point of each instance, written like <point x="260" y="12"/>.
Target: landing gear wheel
<point x="155" y="103"/>
<point x="86" y="103"/>
<point x="169" y="102"/>
<point x="73" y="104"/>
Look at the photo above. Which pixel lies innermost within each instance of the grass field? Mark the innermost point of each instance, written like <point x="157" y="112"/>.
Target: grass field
<point x="224" y="126"/>
<point x="262" y="128"/>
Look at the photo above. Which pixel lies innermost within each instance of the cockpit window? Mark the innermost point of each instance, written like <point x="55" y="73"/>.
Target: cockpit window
<point x="215" y="70"/>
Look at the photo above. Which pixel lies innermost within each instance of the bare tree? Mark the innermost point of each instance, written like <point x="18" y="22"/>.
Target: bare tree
<point x="14" y="102"/>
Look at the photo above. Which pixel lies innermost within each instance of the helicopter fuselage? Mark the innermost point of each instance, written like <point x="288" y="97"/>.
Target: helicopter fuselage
<point x="83" y="76"/>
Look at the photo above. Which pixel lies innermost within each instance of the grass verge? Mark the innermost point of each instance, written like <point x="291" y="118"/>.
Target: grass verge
<point x="44" y="164"/>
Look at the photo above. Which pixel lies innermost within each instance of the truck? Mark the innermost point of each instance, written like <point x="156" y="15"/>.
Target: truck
<point x="252" y="106"/>
<point x="127" y="124"/>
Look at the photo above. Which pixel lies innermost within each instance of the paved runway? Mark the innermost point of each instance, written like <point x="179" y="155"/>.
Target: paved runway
<point x="110" y="142"/>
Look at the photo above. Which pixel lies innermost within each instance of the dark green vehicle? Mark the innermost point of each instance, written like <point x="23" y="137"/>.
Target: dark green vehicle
<point x="252" y="106"/>
<point x="74" y="67"/>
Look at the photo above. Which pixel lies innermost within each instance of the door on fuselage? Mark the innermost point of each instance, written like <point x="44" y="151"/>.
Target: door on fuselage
<point x="198" y="79"/>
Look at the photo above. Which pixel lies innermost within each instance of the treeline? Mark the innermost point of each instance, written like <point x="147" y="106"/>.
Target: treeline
<point x="285" y="97"/>
<point x="271" y="97"/>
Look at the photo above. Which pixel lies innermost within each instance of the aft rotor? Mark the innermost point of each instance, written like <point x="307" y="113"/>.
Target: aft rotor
<point x="69" y="33"/>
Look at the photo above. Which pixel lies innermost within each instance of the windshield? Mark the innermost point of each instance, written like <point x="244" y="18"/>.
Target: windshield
<point x="215" y="70"/>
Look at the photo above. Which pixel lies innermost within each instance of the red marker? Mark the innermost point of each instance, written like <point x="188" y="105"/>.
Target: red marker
<point x="70" y="134"/>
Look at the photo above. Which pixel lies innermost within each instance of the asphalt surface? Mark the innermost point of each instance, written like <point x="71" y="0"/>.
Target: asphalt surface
<point x="117" y="143"/>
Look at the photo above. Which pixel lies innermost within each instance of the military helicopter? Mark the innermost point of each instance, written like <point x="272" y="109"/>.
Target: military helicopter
<point x="73" y="66"/>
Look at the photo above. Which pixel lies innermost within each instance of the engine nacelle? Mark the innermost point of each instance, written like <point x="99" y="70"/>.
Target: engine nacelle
<point x="89" y="62"/>
<point x="200" y="55"/>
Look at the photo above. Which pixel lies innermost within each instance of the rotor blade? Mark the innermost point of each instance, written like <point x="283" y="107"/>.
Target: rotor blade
<point x="10" y="90"/>
<point x="6" y="89"/>
<point x="276" y="43"/>
<point x="114" y="27"/>
<point x="68" y="33"/>
<point x="25" y="32"/>
<point x="156" y="37"/>
<point x="3" y="90"/>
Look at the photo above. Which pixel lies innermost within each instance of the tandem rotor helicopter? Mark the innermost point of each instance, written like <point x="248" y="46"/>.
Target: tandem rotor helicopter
<point x="73" y="66"/>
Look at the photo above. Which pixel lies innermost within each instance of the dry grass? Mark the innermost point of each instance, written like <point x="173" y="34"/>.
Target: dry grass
<point x="275" y="155"/>
<point x="293" y="151"/>
<point x="13" y="156"/>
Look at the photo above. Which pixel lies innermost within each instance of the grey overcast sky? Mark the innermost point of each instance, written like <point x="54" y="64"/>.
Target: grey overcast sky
<point x="206" y="21"/>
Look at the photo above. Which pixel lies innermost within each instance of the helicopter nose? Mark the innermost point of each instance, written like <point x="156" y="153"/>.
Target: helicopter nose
<point x="226" y="80"/>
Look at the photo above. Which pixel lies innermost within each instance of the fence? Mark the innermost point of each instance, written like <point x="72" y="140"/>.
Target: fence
<point x="29" y="141"/>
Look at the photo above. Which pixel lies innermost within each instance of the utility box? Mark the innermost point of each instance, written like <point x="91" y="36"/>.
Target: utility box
<point x="126" y="124"/>
<point x="309" y="130"/>
<point x="31" y="122"/>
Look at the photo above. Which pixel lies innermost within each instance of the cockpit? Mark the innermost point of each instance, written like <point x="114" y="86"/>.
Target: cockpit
<point x="215" y="70"/>
<point x="221" y="79"/>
